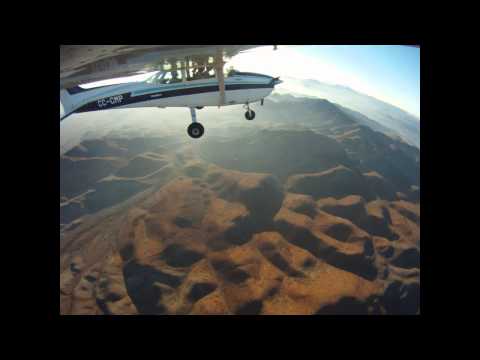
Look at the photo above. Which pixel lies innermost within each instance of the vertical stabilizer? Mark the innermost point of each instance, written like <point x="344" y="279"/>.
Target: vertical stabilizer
<point x="67" y="103"/>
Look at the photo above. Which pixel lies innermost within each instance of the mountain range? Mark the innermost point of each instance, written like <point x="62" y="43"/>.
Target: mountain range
<point x="386" y="115"/>
<point x="311" y="208"/>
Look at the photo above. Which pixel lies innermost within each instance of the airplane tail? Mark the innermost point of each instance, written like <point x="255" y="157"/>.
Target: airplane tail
<point x="68" y="105"/>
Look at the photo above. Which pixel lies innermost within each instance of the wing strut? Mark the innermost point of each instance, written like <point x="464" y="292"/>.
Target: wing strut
<point x="220" y="76"/>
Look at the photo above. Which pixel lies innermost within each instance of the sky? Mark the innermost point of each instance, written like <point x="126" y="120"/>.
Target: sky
<point x="390" y="73"/>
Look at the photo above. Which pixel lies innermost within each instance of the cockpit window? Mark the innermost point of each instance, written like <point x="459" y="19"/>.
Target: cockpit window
<point x="231" y="72"/>
<point x="165" y="77"/>
<point x="174" y="76"/>
<point x="155" y="77"/>
<point x="202" y="72"/>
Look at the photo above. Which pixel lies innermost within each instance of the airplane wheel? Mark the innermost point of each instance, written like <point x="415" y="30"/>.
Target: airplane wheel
<point x="250" y="115"/>
<point x="195" y="130"/>
<point x="199" y="107"/>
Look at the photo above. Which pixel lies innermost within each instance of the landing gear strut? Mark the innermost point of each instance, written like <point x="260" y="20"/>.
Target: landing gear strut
<point x="250" y="114"/>
<point x="195" y="129"/>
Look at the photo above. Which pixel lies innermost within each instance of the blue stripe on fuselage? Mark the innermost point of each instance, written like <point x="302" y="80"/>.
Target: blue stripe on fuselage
<point x="184" y="86"/>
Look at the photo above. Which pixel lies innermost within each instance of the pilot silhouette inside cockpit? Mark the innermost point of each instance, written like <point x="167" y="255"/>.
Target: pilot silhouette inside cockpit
<point x="175" y="77"/>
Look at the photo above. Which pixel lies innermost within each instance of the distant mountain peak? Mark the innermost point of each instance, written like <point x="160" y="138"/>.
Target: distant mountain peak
<point x="389" y="116"/>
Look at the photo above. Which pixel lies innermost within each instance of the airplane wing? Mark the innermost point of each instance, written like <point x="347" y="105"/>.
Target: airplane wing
<point x="80" y="64"/>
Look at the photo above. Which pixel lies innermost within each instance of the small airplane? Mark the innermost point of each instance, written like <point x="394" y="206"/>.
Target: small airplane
<point x="190" y="77"/>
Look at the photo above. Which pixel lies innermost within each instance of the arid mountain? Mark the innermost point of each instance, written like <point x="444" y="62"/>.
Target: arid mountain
<point x="282" y="221"/>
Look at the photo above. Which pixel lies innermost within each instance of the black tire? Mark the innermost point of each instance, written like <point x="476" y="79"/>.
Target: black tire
<point x="199" y="107"/>
<point x="195" y="130"/>
<point x="250" y="115"/>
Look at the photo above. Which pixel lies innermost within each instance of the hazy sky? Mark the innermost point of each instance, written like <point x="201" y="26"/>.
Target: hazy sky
<point x="388" y="72"/>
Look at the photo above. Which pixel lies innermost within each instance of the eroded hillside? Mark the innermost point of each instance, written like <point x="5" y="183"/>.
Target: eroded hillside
<point x="285" y="222"/>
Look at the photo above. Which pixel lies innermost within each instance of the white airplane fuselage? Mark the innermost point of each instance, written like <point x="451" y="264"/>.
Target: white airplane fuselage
<point x="240" y="88"/>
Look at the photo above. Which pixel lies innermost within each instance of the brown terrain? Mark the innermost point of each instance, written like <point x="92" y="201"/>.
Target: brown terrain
<point x="324" y="226"/>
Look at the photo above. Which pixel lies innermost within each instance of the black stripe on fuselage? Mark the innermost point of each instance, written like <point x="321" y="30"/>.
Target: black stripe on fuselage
<point x="126" y="99"/>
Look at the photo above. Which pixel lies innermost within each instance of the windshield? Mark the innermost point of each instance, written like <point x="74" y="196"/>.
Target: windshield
<point x="155" y="77"/>
<point x="173" y="76"/>
<point x="165" y="77"/>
